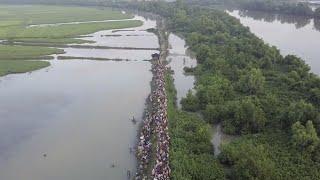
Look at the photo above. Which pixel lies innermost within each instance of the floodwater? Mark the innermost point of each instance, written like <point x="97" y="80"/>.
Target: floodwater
<point x="136" y="37"/>
<point x="178" y="59"/>
<point x="291" y="34"/>
<point x="133" y="37"/>
<point x="72" y="120"/>
<point x="78" y="114"/>
<point x="83" y="22"/>
<point x="125" y="54"/>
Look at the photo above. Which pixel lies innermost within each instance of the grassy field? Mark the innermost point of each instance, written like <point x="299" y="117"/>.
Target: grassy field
<point x="15" y="21"/>
<point x="63" y="31"/>
<point x="40" y="14"/>
<point x="14" y="26"/>
<point x="26" y="52"/>
<point x="52" y="40"/>
<point x="19" y="66"/>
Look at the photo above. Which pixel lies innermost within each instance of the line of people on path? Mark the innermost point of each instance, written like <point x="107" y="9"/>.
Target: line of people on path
<point x="156" y="122"/>
<point x="161" y="170"/>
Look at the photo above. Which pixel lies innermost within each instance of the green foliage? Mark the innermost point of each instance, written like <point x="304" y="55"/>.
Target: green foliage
<point x="244" y="116"/>
<point x="215" y="113"/>
<point x="249" y="87"/>
<point x="190" y="103"/>
<point x="42" y="14"/>
<point x="26" y="52"/>
<point x="248" y="161"/>
<point x="300" y="111"/>
<point x="64" y="31"/>
<point x="18" y="66"/>
<point x="305" y="138"/>
<point x="252" y="82"/>
<point x="270" y="155"/>
<point x="191" y="152"/>
<point x="15" y="21"/>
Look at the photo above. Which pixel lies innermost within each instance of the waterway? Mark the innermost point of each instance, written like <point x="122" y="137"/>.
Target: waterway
<point x="291" y="34"/>
<point x="72" y="120"/>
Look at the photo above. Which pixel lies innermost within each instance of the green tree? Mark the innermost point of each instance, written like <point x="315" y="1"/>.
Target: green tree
<point x="305" y="138"/>
<point x="248" y="161"/>
<point x="243" y="117"/>
<point x="252" y="82"/>
<point x="300" y="111"/>
<point x="190" y="102"/>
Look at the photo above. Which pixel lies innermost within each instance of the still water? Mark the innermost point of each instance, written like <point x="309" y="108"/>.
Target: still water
<point x="178" y="59"/>
<point x="72" y="120"/>
<point x="124" y="54"/>
<point x="291" y="34"/>
<point x="133" y="37"/>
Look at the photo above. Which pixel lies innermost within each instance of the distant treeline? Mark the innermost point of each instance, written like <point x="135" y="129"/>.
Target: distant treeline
<point x="61" y="2"/>
<point x="273" y="6"/>
<point x="299" y="9"/>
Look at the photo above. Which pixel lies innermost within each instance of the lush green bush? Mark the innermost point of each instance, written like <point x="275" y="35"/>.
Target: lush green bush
<point x="191" y="152"/>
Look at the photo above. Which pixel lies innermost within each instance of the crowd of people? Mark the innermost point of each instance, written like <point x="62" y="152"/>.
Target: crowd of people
<point x="156" y="122"/>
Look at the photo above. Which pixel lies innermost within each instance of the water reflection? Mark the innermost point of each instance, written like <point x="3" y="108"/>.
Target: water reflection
<point x="298" y="21"/>
<point x="110" y="53"/>
<point x="130" y="37"/>
<point x="179" y="59"/>
<point x="71" y="121"/>
<point x="292" y="35"/>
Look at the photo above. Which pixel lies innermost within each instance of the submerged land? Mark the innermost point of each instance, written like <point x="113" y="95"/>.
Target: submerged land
<point x="33" y="24"/>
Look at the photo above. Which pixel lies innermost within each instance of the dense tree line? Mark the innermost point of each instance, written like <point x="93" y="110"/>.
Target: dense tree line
<point x="272" y="102"/>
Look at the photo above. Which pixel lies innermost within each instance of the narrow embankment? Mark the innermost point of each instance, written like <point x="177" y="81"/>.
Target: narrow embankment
<point x="153" y="146"/>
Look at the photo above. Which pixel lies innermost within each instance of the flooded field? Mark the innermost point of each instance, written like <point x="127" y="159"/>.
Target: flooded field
<point x="133" y="37"/>
<point x="134" y="55"/>
<point x="72" y="120"/>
